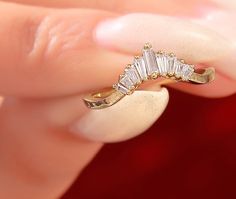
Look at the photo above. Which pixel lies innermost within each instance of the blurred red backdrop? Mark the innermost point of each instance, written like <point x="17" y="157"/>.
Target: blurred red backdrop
<point x="190" y="152"/>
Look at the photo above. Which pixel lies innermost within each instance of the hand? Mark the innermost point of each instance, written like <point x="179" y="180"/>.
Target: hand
<point x="50" y="57"/>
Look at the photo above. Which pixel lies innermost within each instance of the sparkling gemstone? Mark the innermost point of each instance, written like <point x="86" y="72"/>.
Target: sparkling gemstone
<point x="126" y="81"/>
<point x="171" y="62"/>
<point x="187" y="71"/>
<point x="150" y="61"/>
<point x="163" y="64"/>
<point x="140" y="67"/>
<point x="121" y="88"/>
<point x="178" y="68"/>
<point x="133" y="75"/>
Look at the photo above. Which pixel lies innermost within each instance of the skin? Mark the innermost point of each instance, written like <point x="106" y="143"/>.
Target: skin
<point x="46" y="67"/>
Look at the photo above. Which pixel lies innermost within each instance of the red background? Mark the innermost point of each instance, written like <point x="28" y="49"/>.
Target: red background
<point x="190" y="152"/>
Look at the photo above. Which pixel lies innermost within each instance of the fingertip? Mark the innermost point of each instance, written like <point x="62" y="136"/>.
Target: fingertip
<point x="128" y="118"/>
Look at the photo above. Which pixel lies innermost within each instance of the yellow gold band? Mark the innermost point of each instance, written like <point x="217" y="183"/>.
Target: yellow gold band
<point x="103" y="99"/>
<point x="110" y="96"/>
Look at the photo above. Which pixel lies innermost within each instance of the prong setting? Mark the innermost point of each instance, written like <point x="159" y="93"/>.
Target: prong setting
<point x="151" y="65"/>
<point x="147" y="46"/>
<point x="154" y="76"/>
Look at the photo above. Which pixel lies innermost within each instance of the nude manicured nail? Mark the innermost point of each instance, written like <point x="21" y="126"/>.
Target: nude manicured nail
<point x="215" y="19"/>
<point x="128" y="118"/>
<point x="190" y="41"/>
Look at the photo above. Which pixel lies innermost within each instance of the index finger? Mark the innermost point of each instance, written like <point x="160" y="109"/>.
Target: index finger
<point x="49" y="52"/>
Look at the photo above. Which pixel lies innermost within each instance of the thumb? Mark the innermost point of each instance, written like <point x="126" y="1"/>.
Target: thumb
<point x="43" y="146"/>
<point x="130" y="117"/>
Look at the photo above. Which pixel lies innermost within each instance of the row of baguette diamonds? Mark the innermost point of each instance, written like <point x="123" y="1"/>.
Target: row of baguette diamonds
<point x="150" y="66"/>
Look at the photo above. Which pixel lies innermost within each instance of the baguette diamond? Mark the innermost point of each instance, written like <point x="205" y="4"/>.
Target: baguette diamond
<point x="121" y="89"/>
<point x="140" y="67"/>
<point x="187" y="71"/>
<point x="163" y="65"/>
<point x="171" y="60"/>
<point x="150" y="61"/>
<point x="178" y="68"/>
<point x="126" y="81"/>
<point x="133" y="74"/>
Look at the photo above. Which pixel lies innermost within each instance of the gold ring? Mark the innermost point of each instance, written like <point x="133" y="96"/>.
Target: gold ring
<point x="150" y="66"/>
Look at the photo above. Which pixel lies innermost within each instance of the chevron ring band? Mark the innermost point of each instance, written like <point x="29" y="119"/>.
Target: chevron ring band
<point x="150" y="66"/>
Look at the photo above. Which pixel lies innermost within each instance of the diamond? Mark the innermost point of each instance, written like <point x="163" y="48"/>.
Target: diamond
<point x="163" y="64"/>
<point x="171" y="62"/>
<point x="187" y="71"/>
<point x="121" y="89"/>
<point x="140" y="67"/>
<point x="150" y="61"/>
<point x="126" y="81"/>
<point x="133" y="74"/>
<point x="178" y="68"/>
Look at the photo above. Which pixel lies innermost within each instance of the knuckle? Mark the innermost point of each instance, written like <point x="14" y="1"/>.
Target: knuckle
<point x="56" y="34"/>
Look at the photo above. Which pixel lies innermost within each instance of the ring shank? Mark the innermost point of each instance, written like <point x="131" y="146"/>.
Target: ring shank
<point x="110" y="96"/>
<point x="203" y="76"/>
<point x="103" y="98"/>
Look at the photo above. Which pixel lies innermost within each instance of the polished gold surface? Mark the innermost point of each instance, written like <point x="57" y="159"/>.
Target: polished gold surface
<point x="203" y="76"/>
<point x="103" y="98"/>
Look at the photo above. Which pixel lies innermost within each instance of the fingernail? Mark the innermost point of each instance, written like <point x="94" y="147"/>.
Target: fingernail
<point x="218" y="18"/>
<point x="128" y="118"/>
<point x="190" y="41"/>
<point x="129" y="33"/>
